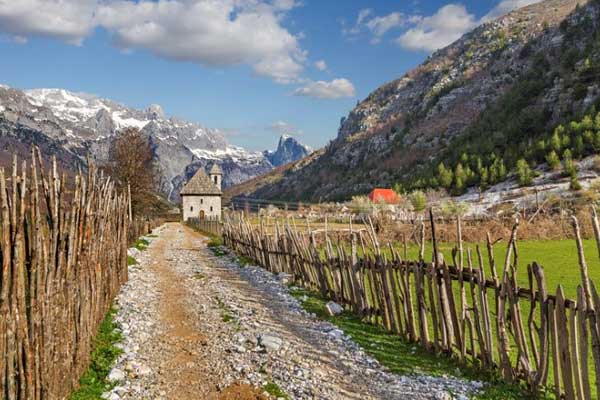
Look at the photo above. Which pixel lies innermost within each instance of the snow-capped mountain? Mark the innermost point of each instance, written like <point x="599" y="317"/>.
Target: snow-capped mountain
<point x="85" y="124"/>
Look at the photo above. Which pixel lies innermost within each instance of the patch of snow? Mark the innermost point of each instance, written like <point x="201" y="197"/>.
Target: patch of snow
<point x="234" y="152"/>
<point x="2" y="109"/>
<point x="121" y="122"/>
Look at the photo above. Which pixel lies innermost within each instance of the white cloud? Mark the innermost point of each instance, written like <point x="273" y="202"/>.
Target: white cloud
<point x="283" y="127"/>
<point x="506" y="6"/>
<point x="67" y="20"/>
<point x="377" y="25"/>
<point x="447" y="25"/>
<point x="207" y="32"/>
<point x="380" y="25"/>
<point x="321" y="65"/>
<point x="334" y="89"/>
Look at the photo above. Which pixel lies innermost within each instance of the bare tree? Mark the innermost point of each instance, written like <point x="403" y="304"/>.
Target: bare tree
<point x="131" y="165"/>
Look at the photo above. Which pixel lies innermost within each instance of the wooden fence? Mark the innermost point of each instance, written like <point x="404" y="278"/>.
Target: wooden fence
<point x="212" y="226"/>
<point x="528" y="334"/>
<point x="64" y="257"/>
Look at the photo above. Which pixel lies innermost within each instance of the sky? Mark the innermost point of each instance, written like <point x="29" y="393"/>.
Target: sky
<point x="253" y="68"/>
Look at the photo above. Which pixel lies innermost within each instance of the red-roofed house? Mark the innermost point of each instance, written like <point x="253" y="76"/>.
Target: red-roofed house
<point x="384" y="196"/>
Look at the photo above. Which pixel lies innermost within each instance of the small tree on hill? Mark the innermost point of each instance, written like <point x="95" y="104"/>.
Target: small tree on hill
<point x="132" y="167"/>
<point x="524" y="173"/>
<point x="418" y="200"/>
<point x="553" y="160"/>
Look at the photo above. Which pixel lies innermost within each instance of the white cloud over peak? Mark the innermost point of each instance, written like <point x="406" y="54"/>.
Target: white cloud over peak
<point x="70" y="21"/>
<point x="207" y="32"/>
<point x="335" y="89"/>
<point x="448" y="24"/>
<point x="376" y="25"/>
<point x="380" y="25"/>
<point x="429" y="33"/>
<point x="506" y="6"/>
<point x="283" y="128"/>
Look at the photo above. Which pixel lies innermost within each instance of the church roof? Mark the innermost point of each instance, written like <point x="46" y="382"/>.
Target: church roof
<point x="200" y="184"/>
<point x="216" y="170"/>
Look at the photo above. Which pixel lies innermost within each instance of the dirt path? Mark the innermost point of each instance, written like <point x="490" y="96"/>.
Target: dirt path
<point x="197" y="326"/>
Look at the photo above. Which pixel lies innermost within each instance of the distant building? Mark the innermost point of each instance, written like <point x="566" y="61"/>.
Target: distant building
<point x="384" y="196"/>
<point x="201" y="195"/>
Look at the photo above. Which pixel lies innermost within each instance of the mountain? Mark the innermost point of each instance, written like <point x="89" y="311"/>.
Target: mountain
<point x="79" y="124"/>
<point x="288" y="150"/>
<point x="473" y="108"/>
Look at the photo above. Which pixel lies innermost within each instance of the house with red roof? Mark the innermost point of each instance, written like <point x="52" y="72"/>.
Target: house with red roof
<point x="384" y="196"/>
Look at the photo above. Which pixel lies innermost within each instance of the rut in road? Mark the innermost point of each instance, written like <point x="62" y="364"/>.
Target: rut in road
<point x="197" y="326"/>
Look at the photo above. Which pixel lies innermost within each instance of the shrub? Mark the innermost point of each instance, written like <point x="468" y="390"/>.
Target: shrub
<point x="524" y="173"/>
<point x="568" y="165"/>
<point x="553" y="160"/>
<point x="418" y="200"/>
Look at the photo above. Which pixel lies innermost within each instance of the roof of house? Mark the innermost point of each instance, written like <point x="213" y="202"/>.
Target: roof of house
<point x="386" y="195"/>
<point x="200" y="184"/>
<point x="216" y="170"/>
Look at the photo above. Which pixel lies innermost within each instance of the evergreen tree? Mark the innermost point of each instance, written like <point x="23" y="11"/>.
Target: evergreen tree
<point x="460" y="178"/>
<point x="524" y="173"/>
<point x="568" y="165"/>
<point x="553" y="160"/>
<point x="444" y="176"/>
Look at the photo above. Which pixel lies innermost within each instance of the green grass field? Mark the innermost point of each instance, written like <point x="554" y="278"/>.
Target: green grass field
<point x="557" y="257"/>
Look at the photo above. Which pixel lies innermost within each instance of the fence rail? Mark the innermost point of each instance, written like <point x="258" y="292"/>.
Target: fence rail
<point x="64" y="257"/>
<point x="528" y="334"/>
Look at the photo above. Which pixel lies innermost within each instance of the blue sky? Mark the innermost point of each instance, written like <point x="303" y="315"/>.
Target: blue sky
<point x="254" y="68"/>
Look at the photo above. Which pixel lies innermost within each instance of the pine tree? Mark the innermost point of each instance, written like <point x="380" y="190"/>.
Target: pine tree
<point x="444" y="176"/>
<point x="553" y="160"/>
<point x="524" y="173"/>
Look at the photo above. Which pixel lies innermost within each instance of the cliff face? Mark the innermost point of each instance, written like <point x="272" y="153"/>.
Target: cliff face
<point x="404" y="127"/>
<point x="288" y="150"/>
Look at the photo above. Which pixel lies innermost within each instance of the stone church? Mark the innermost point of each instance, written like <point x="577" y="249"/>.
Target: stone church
<point x="201" y="195"/>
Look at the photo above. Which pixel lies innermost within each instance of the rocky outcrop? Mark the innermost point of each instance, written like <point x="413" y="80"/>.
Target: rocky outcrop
<point x="288" y="150"/>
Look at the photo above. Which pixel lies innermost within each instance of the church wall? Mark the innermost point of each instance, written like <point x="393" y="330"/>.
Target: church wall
<point x="194" y="204"/>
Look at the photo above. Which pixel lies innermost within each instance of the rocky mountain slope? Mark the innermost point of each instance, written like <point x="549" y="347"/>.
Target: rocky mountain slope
<point x="482" y="101"/>
<point x="79" y="124"/>
<point x="288" y="150"/>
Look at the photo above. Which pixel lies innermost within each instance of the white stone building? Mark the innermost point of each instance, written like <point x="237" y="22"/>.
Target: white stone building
<point x="201" y="196"/>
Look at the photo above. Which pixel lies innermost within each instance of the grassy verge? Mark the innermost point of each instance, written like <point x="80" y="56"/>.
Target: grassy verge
<point x="93" y="382"/>
<point x="405" y="358"/>
<point x="274" y="390"/>
<point x="141" y="244"/>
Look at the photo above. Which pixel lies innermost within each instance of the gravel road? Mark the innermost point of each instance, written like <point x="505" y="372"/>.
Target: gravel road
<point x="198" y="326"/>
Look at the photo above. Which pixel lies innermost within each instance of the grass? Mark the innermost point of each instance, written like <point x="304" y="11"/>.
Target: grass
<point x="244" y="261"/>
<point x="274" y="390"/>
<point x="226" y="315"/>
<point x="93" y="382"/>
<point x="557" y="257"/>
<point x="405" y="358"/>
<point x="141" y="244"/>
<point x="131" y="261"/>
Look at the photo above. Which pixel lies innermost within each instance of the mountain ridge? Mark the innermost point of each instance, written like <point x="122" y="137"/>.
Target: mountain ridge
<point x="84" y="123"/>
<point x="403" y="129"/>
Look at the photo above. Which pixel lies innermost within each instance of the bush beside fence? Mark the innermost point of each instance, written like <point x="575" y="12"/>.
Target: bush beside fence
<point x="528" y="334"/>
